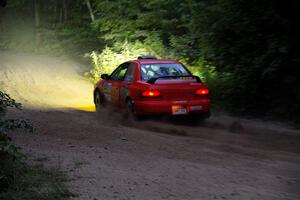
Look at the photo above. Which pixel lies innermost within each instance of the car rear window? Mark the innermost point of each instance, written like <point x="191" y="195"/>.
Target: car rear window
<point x="162" y="69"/>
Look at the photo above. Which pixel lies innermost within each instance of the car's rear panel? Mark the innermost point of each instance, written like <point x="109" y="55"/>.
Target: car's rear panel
<point x="173" y="92"/>
<point x="176" y="89"/>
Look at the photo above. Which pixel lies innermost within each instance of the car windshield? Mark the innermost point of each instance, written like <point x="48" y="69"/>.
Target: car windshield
<point x="162" y="69"/>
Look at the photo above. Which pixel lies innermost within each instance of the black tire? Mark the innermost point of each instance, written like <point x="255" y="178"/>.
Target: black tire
<point x="130" y="112"/>
<point x="98" y="100"/>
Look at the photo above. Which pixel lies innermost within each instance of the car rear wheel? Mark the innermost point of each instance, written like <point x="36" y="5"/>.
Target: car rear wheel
<point x="99" y="101"/>
<point x="131" y="114"/>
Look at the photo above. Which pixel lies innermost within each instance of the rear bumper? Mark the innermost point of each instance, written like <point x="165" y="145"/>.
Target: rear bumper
<point x="157" y="107"/>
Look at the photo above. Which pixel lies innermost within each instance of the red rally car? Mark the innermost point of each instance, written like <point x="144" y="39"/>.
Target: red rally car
<point x="150" y="86"/>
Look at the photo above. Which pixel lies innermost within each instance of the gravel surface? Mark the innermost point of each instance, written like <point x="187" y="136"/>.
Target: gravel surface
<point x="106" y="158"/>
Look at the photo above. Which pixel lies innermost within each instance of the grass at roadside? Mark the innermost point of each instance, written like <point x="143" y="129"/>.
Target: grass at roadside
<point x="25" y="182"/>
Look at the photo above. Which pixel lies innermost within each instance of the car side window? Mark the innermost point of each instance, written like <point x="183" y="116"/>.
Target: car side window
<point x="130" y="73"/>
<point x="119" y="73"/>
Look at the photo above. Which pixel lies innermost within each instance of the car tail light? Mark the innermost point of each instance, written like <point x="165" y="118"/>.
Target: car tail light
<point x="151" y="93"/>
<point x="202" y="92"/>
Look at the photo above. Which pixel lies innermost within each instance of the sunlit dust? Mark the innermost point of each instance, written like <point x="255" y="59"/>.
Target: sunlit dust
<point x="40" y="82"/>
<point x="86" y="108"/>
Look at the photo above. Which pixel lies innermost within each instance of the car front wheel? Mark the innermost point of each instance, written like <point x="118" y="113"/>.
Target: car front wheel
<point x="98" y="100"/>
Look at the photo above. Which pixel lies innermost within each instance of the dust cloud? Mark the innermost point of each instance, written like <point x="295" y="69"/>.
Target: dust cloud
<point x="42" y="82"/>
<point x="160" y="124"/>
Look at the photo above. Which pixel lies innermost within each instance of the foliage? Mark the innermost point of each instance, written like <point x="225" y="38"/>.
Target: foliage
<point x="256" y="42"/>
<point x="9" y="153"/>
<point x="111" y="57"/>
<point x="29" y="183"/>
<point x="218" y="82"/>
<point x="9" y="124"/>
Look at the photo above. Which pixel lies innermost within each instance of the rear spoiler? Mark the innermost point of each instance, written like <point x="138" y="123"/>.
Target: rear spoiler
<point x="154" y="79"/>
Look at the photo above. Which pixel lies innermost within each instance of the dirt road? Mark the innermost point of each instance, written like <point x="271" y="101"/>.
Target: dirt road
<point x="108" y="158"/>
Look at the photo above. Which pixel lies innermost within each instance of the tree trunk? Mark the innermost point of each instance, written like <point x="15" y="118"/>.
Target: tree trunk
<point x="88" y="4"/>
<point x="65" y="10"/>
<point x="55" y="9"/>
<point x="37" y="21"/>
<point x="37" y="13"/>
<point x="2" y="10"/>
<point x="60" y="14"/>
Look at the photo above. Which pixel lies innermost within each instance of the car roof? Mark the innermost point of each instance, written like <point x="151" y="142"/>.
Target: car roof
<point x="149" y="61"/>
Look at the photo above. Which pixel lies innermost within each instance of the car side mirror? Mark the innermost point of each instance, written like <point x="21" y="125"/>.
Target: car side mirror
<point x="105" y="76"/>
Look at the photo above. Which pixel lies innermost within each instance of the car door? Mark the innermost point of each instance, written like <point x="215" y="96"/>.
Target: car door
<point x="125" y="84"/>
<point x="117" y="81"/>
